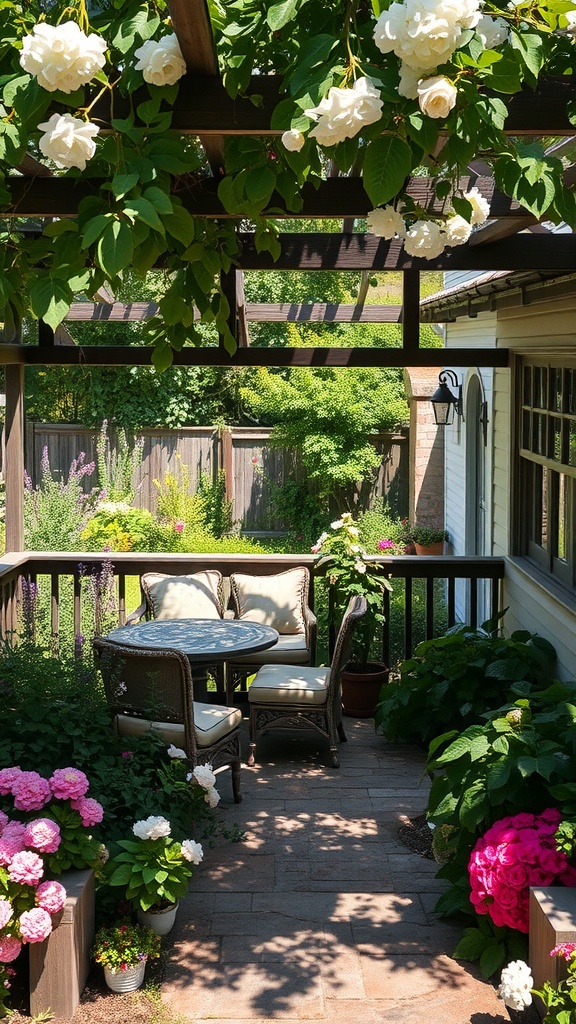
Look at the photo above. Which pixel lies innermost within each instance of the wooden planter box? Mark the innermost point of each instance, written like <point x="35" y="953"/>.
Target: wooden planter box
<point x="552" y="920"/>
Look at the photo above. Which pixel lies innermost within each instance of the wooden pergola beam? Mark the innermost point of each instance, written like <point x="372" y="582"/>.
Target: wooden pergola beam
<point x="255" y="312"/>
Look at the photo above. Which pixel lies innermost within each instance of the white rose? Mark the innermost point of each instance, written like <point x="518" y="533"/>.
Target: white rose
<point x="68" y="141"/>
<point x="62" y="56"/>
<point x="480" y="206"/>
<point x="408" y="85"/>
<point x="457" y="230"/>
<point x="177" y="752"/>
<point x="161" y="61"/>
<point x="293" y="140"/>
<point x="436" y="96"/>
<point x="492" y="31"/>
<point x="336" y="524"/>
<point x="467" y="12"/>
<point x="153" y="827"/>
<point x="344" y="112"/>
<point x="426" y="239"/>
<point x="385" y="222"/>
<point x="192" y="851"/>
<point x="422" y="33"/>
<point x="204" y="775"/>
<point x="212" y="797"/>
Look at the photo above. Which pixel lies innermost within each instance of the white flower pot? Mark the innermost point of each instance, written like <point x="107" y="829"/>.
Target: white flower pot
<point x="160" y="921"/>
<point x="125" y="981"/>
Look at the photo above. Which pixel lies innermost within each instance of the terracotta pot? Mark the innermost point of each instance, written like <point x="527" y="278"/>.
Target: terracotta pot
<point x="361" y="690"/>
<point x="125" y="981"/>
<point x="160" y="921"/>
<point x="430" y="549"/>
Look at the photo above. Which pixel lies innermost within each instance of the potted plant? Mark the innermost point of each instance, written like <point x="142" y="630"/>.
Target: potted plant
<point x="154" y="870"/>
<point x="350" y="571"/>
<point x="429" y="541"/>
<point x="123" y="950"/>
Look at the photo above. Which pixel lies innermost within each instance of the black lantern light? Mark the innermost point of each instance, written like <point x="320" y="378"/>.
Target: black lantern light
<point x="447" y="400"/>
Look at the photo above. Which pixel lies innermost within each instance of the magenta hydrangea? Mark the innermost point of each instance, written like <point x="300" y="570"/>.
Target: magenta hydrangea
<point x="8" y="777"/>
<point x="4" y="819"/>
<point x="9" y="847"/>
<point x="516" y="853"/>
<point x="35" y="925"/>
<point x="14" y="830"/>
<point x="68" y="783"/>
<point x="10" y="947"/>
<point x="51" y="896"/>
<point x="30" y="791"/>
<point x="43" y="834"/>
<point x="5" y="912"/>
<point x="89" y="810"/>
<point x="26" y="868"/>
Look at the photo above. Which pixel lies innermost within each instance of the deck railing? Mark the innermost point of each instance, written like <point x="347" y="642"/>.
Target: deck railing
<point x="433" y="588"/>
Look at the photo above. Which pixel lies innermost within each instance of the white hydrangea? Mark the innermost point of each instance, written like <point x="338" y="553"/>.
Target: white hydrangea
<point x="426" y="239"/>
<point x="68" y="141"/>
<point x="480" y="206"/>
<point x="457" y="230"/>
<point x="212" y="797"/>
<point x="204" y="775"/>
<point x="408" y="85"/>
<point x="425" y="33"/>
<point x="62" y="56"/>
<point x="436" y="96"/>
<point x="161" y="61"/>
<point x="177" y="753"/>
<point x="385" y="222"/>
<point x="192" y="851"/>
<point x="515" y="984"/>
<point x="571" y="23"/>
<point x="344" y="112"/>
<point x="293" y="140"/>
<point x="113" y="506"/>
<point x="154" y="827"/>
<point x="492" y="31"/>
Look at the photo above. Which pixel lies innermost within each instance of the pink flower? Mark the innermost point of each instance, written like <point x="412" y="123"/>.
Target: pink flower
<point x="69" y="783"/>
<point x="89" y="810"/>
<point x="43" y="834"/>
<point x="385" y="545"/>
<point x="30" y="791"/>
<point x="10" y="947"/>
<point x="127" y="755"/>
<point x="3" y="820"/>
<point x="517" y="876"/>
<point x="5" y="912"/>
<point x="8" y="777"/>
<point x="8" y="849"/>
<point x="564" y="949"/>
<point x="179" y="526"/>
<point x="35" y="925"/>
<point x="523" y="820"/>
<point x="51" y="896"/>
<point x="14" y="830"/>
<point x="26" y="868"/>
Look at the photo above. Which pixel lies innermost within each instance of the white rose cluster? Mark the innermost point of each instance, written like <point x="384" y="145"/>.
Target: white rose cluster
<point x="344" y="112"/>
<point x="515" y="984"/>
<point x="427" y="239"/>
<point x="68" y="140"/>
<point x="62" y="56"/>
<point x="154" y="827"/>
<point x="425" y="33"/>
<point x="161" y="61"/>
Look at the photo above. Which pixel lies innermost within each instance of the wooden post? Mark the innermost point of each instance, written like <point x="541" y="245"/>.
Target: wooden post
<point x="14" y="465"/>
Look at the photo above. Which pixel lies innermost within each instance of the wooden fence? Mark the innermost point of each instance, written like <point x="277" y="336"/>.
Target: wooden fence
<point x="252" y="466"/>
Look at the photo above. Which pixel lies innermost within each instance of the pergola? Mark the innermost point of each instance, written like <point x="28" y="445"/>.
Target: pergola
<point x="204" y="109"/>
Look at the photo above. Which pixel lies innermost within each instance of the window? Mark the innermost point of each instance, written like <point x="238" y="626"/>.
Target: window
<point x="547" y="467"/>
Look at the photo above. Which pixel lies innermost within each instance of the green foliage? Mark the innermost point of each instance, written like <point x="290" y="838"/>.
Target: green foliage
<point x="56" y="511"/>
<point x="117" y="465"/>
<point x="303" y="512"/>
<point x="378" y="523"/>
<point x="426" y="535"/>
<point x="491" y="946"/>
<point x="116" y="526"/>
<point x="453" y="680"/>
<point x="151" y="872"/>
<point x="175" y="506"/>
<point x="217" y="510"/>
<point x="560" y="999"/>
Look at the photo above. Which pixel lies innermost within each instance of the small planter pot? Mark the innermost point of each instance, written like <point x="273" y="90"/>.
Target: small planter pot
<point x="160" y="921"/>
<point x="361" y="690"/>
<point x="125" y="981"/>
<point x="430" y="549"/>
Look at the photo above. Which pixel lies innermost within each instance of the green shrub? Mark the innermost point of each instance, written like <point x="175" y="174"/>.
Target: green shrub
<point x="379" y="523"/>
<point x="117" y="527"/>
<point x="217" y="510"/>
<point x="117" y="466"/>
<point x="452" y="680"/>
<point x="56" y="511"/>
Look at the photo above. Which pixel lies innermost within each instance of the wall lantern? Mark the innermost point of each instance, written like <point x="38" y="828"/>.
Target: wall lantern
<point x="444" y="401"/>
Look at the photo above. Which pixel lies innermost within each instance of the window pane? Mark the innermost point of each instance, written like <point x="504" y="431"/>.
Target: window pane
<point x="557" y="440"/>
<point x="526" y="430"/>
<point x="562" y="518"/>
<point x="538" y="434"/>
<point x="540" y="388"/>
<point x="544" y="512"/>
<point x="572" y="443"/>
<point x="527" y="375"/>
<point x="556" y="389"/>
<point x="570" y="405"/>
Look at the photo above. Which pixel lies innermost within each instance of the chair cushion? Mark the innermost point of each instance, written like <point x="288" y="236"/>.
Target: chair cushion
<point x="283" y="684"/>
<point x="196" y="596"/>
<point x="276" y="600"/>
<point x="289" y="648"/>
<point x="211" y="721"/>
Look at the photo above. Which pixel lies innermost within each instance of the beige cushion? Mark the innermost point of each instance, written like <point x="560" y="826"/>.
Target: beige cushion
<point x="291" y="648"/>
<point x="276" y="601"/>
<point x="196" y="596"/>
<point x="211" y="722"/>
<point x="283" y="684"/>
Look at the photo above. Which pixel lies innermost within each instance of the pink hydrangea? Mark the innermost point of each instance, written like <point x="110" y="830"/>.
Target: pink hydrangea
<point x="514" y="854"/>
<point x="4" y="819"/>
<point x="30" y="791"/>
<point x="51" y="896"/>
<point x="8" y="777"/>
<point x="89" y="810"/>
<point x="5" y="912"/>
<point x="69" y="783"/>
<point x="10" y="947"/>
<point x="43" y="834"/>
<point x="14" y="830"/>
<point x="26" y="868"/>
<point x="9" y="848"/>
<point x="35" y="925"/>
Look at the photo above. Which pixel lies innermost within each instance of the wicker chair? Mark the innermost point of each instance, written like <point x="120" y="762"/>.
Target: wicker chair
<point x="289" y="697"/>
<point x="149" y="689"/>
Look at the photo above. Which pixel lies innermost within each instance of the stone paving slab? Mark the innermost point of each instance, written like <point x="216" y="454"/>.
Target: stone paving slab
<point x="321" y="913"/>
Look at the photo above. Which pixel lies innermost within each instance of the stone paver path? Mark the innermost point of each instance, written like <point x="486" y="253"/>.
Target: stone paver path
<point x="322" y="914"/>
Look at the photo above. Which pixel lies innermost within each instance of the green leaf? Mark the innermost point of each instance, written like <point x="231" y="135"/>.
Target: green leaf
<point x="115" y="247"/>
<point x="122" y="183"/>
<point x="280" y="14"/>
<point x="492" y="959"/>
<point x="471" y="945"/>
<point x="50" y="299"/>
<point x="529" y="47"/>
<point x="387" y="164"/>
<point x="142" y="209"/>
<point x="162" y="357"/>
<point x="180" y="225"/>
<point x="260" y="183"/>
<point x="160" y="201"/>
<point x="94" y="228"/>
